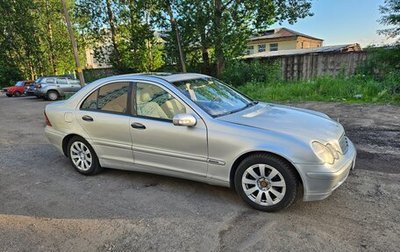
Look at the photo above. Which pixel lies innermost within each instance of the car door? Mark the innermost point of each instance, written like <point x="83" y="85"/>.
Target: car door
<point x="62" y="85"/>
<point x="74" y="85"/>
<point x="105" y="117"/>
<point x="157" y="142"/>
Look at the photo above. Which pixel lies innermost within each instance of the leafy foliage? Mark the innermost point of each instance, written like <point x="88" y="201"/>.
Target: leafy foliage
<point x="391" y="17"/>
<point x="126" y="29"/>
<point x="238" y="73"/>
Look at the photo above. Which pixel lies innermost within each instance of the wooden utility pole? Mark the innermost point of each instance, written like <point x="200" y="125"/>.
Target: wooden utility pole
<point x="73" y="43"/>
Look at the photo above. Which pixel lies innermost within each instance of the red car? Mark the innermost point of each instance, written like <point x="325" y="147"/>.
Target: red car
<point x="18" y="89"/>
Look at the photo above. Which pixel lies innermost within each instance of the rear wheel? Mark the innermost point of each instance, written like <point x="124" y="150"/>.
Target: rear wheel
<point x="82" y="156"/>
<point x="266" y="182"/>
<point x="17" y="94"/>
<point x="52" y="95"/>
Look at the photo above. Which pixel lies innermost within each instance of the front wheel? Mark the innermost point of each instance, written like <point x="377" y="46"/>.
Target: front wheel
<point x="17" y="94"/>
<point x="82" y="156"/>
<point x="266" y="182"/>
<point x="9" y="95"/>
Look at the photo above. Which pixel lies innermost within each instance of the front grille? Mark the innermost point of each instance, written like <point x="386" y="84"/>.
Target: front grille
<point x="344" y="145"/>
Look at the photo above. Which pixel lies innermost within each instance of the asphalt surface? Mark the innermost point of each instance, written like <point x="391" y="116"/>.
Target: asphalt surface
<point x="46" y="206"/>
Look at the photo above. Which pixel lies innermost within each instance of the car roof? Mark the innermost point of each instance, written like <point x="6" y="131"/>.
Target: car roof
<point x="170" y="77"/>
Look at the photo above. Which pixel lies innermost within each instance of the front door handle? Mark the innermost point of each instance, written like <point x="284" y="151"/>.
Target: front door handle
<point x="138" y="126"/>
<point x="87" y="118"/>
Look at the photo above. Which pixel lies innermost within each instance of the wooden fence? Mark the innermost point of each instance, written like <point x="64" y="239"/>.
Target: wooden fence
<point x="309" y="66"/>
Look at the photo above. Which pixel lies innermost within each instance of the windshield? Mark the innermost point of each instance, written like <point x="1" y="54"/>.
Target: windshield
<point x="20" y="84"/>
<point x="213" y="97"/>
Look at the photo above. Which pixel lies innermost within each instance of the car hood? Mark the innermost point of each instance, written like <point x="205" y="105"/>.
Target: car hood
<point x="300" y="123"/>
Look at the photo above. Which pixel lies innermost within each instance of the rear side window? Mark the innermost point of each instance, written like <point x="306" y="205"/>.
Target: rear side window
<point x="111" y="98"/>
<point x="49" y="80"/>
<point x="91" y="102"/>
<point x="62" y="81"/>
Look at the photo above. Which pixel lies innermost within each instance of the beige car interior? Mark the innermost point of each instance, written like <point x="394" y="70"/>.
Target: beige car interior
<point x="115" y="97"/>
<point x="147" y="107"/>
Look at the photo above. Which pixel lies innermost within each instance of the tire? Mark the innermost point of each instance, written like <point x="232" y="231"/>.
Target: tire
<point x="9" y="95"/>
<point x="52" y="95"/>
<point x="82" y="156"/>
<point x="271" y="191"/>
<point x="17" y="94"/>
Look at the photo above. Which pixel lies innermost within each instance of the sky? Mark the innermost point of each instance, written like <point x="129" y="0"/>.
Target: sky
<point x="340" y="22"/>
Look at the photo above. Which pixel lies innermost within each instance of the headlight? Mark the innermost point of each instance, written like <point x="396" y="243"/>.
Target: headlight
<point x="326" y="153"/>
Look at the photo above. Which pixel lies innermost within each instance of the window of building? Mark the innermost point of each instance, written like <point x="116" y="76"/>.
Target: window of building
<point x="250" y="50"/>
<point x="273" y="47"/>
<point x="261" y="48"/>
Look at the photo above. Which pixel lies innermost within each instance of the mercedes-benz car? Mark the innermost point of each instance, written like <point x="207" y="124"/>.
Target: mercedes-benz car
<point x="195" y="127"/>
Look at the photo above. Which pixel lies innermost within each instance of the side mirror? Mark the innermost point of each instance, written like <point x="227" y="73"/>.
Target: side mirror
<point x="184" y="120"/>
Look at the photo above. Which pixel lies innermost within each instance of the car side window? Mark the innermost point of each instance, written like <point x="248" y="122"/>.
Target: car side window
<point x="155" y="102"/>
<point x="62" y="81"/>
<point x="50" y="80"/>
<point x="91" y="102"/>
<point x="111" y="98"/>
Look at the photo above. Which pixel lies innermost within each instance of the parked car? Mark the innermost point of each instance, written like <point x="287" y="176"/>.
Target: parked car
<point x="193" y="126"/>
<point x="52" y="88"/>
<point x="30" y="89"/>
<point x="18" y="89"/>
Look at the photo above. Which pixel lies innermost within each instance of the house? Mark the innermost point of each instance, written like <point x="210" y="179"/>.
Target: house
<point x="293" y="52"/>
<point x="281" y="39"/>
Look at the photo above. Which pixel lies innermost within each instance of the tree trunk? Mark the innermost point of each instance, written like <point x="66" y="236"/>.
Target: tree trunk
<point x="111" y="21"/>
<point x="73" y="42"/>
<point x="50" y="40"/>
<point x="178" y="37"/>
<point x="219" y="52"/>
<point x="204" y="53"/>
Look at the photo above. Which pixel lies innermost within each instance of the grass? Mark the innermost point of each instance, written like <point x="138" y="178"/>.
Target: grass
<point x="354" y="89"/>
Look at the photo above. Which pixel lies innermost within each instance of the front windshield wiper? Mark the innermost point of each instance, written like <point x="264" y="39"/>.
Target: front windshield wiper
<point x="250" y="104"/>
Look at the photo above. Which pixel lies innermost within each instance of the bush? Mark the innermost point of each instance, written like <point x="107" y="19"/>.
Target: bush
<point x="239" y="73"/>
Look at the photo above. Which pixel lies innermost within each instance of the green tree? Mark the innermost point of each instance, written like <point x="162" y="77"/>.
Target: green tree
<point x="54" y="39"/>
<point x="20" y="50"/>
<point x="125" y="28"/>
<point x="219" y="29"/>
<point x="390" y="17"/>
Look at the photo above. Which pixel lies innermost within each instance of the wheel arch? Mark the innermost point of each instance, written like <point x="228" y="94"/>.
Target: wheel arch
<point x="66" y="140"/>
<point x="53" y="90"/>
<point x="250" y="153"/>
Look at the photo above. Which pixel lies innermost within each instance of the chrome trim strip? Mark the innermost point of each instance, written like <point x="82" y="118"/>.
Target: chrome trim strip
<point x="170" y="154"/>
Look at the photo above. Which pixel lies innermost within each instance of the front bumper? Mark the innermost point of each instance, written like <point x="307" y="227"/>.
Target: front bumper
<point x="39" y="93"/>
<point x="320" y="181"/>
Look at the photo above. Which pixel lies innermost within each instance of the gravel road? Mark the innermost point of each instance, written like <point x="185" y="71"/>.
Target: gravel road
<point x="46" y="206"/>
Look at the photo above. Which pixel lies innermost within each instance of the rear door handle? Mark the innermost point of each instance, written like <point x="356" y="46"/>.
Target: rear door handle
<point x="138" y="126"/>
<point x="87" y="118"/>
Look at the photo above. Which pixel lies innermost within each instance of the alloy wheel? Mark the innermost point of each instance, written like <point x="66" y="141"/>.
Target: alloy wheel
<point x="263" y="184"/>
<point x="81" y="156"/>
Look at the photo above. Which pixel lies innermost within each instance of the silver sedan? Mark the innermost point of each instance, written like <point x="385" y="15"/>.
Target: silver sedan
<point x="193" y="126"/>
